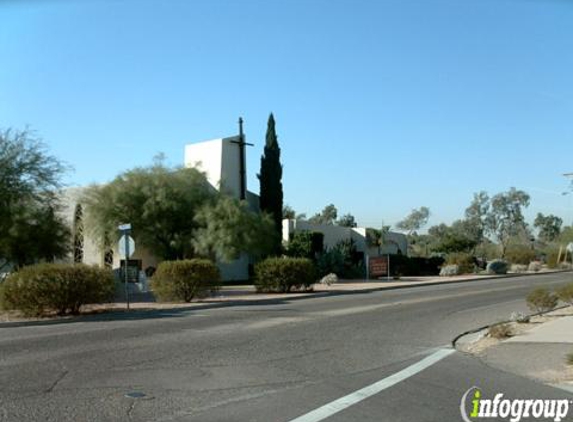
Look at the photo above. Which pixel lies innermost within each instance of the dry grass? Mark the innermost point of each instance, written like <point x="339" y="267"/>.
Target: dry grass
<point x="501" y="331"/>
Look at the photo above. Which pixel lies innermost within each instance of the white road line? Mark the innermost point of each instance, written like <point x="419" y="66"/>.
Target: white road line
<point x="344" y="402"/>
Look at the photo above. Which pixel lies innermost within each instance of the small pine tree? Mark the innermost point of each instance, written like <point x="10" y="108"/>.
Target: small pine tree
<point x="270" y="177"/>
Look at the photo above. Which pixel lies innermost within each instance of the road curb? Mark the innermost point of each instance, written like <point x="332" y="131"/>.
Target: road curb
<point x="151" y="313"/>
<point x="485" y="327"/>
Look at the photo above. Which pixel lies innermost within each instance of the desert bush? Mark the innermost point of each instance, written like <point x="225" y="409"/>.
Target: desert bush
<point x="500" y="331"/>
<point x="464" y="261"/>
<point x="565" y="293"/>
<point x="40" y="289"/>
<point x="520" y="254"/>
<point x="541" y="299"/>
<point x="497" y="266"/>
<point x="284" y="274"/>
<point x="342" y="259"/>
<point x="305" y="244"/>
<point x="450" y="270"/>
<point x="331" y="261"/>
<point x="551" y="255"/>
<point x="534" y="266"/>
<point x="569" y="359"/>
<point x="518" y="268"/>
<point x="185" y="280"/>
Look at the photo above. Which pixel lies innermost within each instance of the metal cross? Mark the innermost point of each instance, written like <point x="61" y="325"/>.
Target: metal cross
<point x="242" y="170"/>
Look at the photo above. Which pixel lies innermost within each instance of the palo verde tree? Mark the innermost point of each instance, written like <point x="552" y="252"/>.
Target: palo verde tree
<point x="228" y="228"/>
<point x="549" y="226"/>
<point x="271" y="187"/>
<point x="327" y="216"/>
<point x="158" y="201"/>
<point x="347" y="220"/>
<point x="476" y="217"/>
<point x="414" y="221"/>
<point x="505" y="217"/>
<point x="31" y="228"/>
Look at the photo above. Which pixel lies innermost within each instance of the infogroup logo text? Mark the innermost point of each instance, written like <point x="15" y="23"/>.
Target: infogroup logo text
<point x="514" y="410"/>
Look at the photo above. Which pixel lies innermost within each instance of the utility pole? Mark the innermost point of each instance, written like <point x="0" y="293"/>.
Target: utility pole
<point x="242" y="165"/>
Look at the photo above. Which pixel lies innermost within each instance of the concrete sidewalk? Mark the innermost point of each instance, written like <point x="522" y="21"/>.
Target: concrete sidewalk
<point x="366" y="285"/>
<point x="538" y="350"/>
<point x="560" y="330"/>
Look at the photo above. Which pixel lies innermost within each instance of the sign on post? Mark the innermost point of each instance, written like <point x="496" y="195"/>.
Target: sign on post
<point x="125" y="246"/>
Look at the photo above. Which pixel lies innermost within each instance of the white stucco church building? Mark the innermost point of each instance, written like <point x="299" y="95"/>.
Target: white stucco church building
<point x="224" y="164"/>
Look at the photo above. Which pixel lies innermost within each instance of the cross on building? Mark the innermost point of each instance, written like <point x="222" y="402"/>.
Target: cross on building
<point x="242" y="158"/>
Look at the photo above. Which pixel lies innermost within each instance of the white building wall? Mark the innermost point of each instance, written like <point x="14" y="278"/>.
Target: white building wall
<point x="220" y="160"/>
<point x="70" y="198"/>
<point x="230" y="167"/>
<point x="334" y="234"/>
<point x="207" y="157"/>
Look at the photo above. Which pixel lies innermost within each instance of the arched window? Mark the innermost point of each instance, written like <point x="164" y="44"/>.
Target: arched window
<point x="107" y="252"/>
<point x="78" y="234"/>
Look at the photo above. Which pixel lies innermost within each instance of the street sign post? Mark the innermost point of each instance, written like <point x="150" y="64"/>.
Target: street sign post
<point x="126" y="248"/>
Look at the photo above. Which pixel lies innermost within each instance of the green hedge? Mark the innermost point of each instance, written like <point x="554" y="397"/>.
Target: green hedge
<point x="185" y="280"/>
<point x="402" y="265"/>
<point x="63" y="288"/>
<point x="284" y="274"/>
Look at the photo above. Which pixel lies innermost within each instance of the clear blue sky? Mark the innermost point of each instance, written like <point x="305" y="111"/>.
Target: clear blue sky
<point x="381" y="106"/>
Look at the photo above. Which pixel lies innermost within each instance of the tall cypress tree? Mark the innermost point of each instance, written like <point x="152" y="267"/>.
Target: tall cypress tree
<point x="270" y="178"/>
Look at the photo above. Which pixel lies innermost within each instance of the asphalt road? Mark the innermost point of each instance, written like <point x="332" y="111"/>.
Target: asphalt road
<point x="266" y="362"/>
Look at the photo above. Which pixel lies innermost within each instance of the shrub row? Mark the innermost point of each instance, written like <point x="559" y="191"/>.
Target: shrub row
<point x="185" y="280"/>
<point x="402" y="265"/>
<point x="63" y="288"/>
<point x="284" y="274"/>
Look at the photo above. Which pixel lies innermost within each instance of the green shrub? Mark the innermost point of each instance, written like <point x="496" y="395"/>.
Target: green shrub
<point x="63" y="288"/>
<point x="284" y="274"/>
<point x="185" y="280"/>
<point x="565" y="293"/>
<point x="500" y="331"/>
<point x="464" y="261"/>
<point x="541" y="300"/>
<point x="331" y="261"/>
<point x="305" y="244"/>
<point x="569" y="359"/>
<point x="520" y="254"/>
<point x="342" y="259"/>
<point x="497" y="266"/>
<point x="551" y="255"/>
